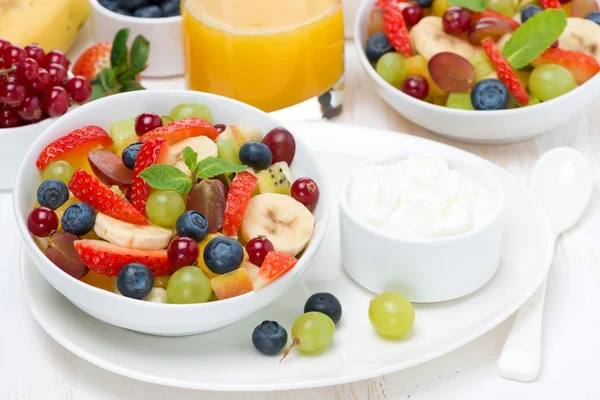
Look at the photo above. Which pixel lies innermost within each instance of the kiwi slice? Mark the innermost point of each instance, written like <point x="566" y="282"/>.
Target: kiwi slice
<point x="276" y="179"/>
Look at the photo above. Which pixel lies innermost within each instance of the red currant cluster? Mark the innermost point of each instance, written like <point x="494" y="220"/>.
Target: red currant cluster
<point x="34" y="85"/>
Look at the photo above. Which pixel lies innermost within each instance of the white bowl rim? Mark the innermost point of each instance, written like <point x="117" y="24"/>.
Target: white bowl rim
<point x="398" y="156"/>
<point x="307" y="254"/>
<point x="126" y="19"/>
<point x="366" y="6"/>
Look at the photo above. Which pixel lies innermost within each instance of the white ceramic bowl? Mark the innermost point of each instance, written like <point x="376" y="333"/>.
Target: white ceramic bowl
<point x="154" y="318"/>
<point x="502" y="126"/>
<point x="423" y="270"/>
<point x="164" y="34"/>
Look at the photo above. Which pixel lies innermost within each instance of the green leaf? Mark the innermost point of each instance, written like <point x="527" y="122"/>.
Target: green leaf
<point x="473" y="5"/>
<point x="140" y="51"/>
<point x="131" y="86"/>
<point x="533" y="37"/>
<point x="167" y="177"/>
<point x="190" y="158"/>
<point x="107" y="79"/>
<point x="97" y="91"/>
<point x="212" y="166"/>
<point x="119" y="53"/>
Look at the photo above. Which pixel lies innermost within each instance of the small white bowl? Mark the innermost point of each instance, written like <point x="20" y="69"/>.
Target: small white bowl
<point x="164" y="34"/>
<point x="142" y="316"/>
<point x="503" y="126"/>
<point x="423" y="270"/>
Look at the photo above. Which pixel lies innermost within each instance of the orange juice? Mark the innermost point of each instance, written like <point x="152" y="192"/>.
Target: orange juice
<point x="271" y="54"/>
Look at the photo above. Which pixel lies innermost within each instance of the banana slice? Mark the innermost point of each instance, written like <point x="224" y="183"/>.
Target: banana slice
<point x="132" y="236"/>
<point x="428" y="38"/>
<point x="201" y="145"/>
<point x="581" y="35"/>
<point x="284" y="221"/>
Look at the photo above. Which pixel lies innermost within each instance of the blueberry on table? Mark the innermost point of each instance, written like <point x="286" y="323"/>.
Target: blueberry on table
<point x="113" y="5"/>
<point x="377" y="46"/>
<point x="78" y="219"/>
<point x="130" y="154"/>
<point x="489" y="94"/>
<point x="52" y="194"/>
<point x="256" y="155"/>
<point x="132" y="5"/>
<point x="223" y="254"/>
<point x="594" y="16"/>
<point x="148" y="12"/>
<point x="530" y="11"/>
<point x="135" y="280"/>
<point x="325" y="303"/>
<point x="171" y="8"/>
<point x="269" y="337"/>
<point x="192" y="224"/>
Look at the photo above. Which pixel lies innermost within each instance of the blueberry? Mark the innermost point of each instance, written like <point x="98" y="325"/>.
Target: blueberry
<point x="489" y="94"/>
<point x="135" y="280"/>
<point x="148" y="12"/>
<point x="132" y="5"/>
<point x="256" y="155"/>
<point x="269" y="337"/>
<point x="325" y="303"/>
<point x="594" y="16"/>
<point x="223" y="254"/>
<point x="530" y="11"/>
<point x="52" y="194"/>
<point x="171" y="8"/>
<point x="130" y="154"/>
<point x="424" y="3"/>
<point x="192" y="224"/>
<point x="377" y="46"/>
<point x="78" y="219"/>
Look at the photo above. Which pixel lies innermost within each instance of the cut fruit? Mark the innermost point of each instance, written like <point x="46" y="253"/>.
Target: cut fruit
<point x="183" y="129"/>
<point x="395" y="29"/>
<point x="489" y="27"/>
<point x="417" y="65"/>
<point x="375" y="24"/>
<point x="483" y="66"/>
<point x="582" y="66"/>
<point x="153" y="152"/>
<point x="451" y="72"/>
<point x="238" y="198"/>
<point x="202" y="145"/>
<point x="582" y="8"/>
<point x="124" y="234"/>
<point x="460" y="101"/>
<point x="252" y="269"/>
<point x="275" y="265"/>
<point x="209" y="198"/>
<point x="550" y="4"/>
<point x="476" y="16"/>
<point x="232" y="284"/>
<point x="109" y="168"/>
<point x="235" y="133"/>
<point x="122" y="134"/>
<point x="276" y="179"/>
<point x="228" y="151"/>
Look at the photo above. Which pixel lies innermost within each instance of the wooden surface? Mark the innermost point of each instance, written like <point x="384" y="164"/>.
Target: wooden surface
<point x="33" y="366"/>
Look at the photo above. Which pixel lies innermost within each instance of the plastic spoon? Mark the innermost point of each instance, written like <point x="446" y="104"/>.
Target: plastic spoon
<point x="562" y="182"/>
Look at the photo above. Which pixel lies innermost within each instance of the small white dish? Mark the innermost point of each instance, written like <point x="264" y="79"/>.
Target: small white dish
<point x="164" y="34"/>
<point x="143" y="316"/>
<point x="504" y="126"/>
<point x="427" y="270"/>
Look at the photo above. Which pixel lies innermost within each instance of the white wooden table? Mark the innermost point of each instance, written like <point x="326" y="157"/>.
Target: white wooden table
<point x="34" y="367"/>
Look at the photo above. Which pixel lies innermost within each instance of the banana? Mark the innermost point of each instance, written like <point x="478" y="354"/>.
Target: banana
<point x="581" y="35"/>
<point x="237" y="132"/>
<point x="201" y="145"/>
<point x="286" y="222"/>
<point x="132" y="236"/>
<point x="428" y="38"/>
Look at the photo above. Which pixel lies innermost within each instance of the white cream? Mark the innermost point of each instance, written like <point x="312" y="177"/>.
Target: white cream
<point x="420" y="198"/>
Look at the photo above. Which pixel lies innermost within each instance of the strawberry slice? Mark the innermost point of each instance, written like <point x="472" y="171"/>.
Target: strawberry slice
<point x="395" y="29"/>
<point x="155" y="151"/>
<point x="107" y="259"/>
<point x="476" y="16"/>
<point x="93" y="192"/>
<point x="92" y="61"/>
<point x="76" y="145"/>
<point x="274" y="265"/>
<point x="238" y="197"/>
<point x="582" y="66"/>
<point x="384" y="3"/>
<point x="550" y="4"/>
<point x="505" y="72"/>
<point x="183" y="129"/>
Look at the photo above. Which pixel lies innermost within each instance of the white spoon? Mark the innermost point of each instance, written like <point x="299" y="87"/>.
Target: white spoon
<point x="562" y="182"/>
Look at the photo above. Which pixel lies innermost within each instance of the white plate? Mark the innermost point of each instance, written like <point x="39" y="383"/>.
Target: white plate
<point x="225" y="359"/>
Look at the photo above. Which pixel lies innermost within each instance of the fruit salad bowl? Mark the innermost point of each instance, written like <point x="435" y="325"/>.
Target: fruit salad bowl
<point x="477" y="126"/>
<point x="160" y="318"/>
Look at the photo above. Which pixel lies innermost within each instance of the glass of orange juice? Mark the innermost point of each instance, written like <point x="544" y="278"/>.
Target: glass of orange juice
<point x="272" y="54"/>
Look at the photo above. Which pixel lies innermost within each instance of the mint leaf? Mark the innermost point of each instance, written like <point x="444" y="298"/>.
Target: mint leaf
<point x="212" y="166"/>
<point x="167" y="177"/>
<point x="473" y="5"/>
<point x="190" y="158"/>
<point x="119" y="53"/>
<point x="533" y="37"/>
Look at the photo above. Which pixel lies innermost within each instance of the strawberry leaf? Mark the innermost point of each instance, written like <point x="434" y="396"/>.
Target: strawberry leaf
<point x="107" y="79"/>
<point x="131" y="86"/>
<point x="140" y="51"/>
<point x="119" y="53"/>
<point x="212" y="166"/>
<point x="97" y="91"/>
<point x="473" y="5"/>
<point x="167" y="177"/>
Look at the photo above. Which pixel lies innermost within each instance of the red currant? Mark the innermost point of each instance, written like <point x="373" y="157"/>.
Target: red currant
<point x="456" y="20"/>
<point x="57" y="57"/>
<point x="27" y="69"/>
<point x="258" y="248"/>
<point x="30" y="109"/>
<point x="306" y="191"/>
<point x="55" y="101"/>
<point x="145" y="122"/>
<point x="13" y="77"/>
<point x="3" y="44"/>
<point x="37" y="53"/>
<point x="42" y="221"/>
<point x="412" y="14"/>
<point x="79" y="89"/>
<point x="41" y="82"/>
<point x="416" y="86"/>
<point x="13" y="54"/>
<point x="58" y="73"/>
<point x="9" y="117"/>
<point x="220" y="127"/>
<point x="12" y="94"/>
<point x="182" y="251"/>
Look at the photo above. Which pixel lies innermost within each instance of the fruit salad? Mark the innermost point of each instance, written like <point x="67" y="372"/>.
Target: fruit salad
<point x="172" y="209"/>
<point x="485" y="54"/>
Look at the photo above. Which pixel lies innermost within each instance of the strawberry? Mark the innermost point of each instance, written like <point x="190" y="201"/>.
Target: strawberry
<point x="93" y="60"/>
<point x="153" y="152"/>
<point x="550" y="4"/>
<point x="238" y="197"/>
<point x="505" y="72"/>
<point x="395" y="29"/>
<point x="107" y="259"/>
<point x="275" y="265"/>
<point x="476" y="16"/>
<point x="75" y="145"/>
<point x="582" y="66"/>
<point x="384" y="3"/>
<point x="93" y="192"/>
<point x="177" y="131"/>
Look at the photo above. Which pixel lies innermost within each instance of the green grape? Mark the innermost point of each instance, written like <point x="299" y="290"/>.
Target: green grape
<point x="188" y="110"/>
<point x="59" y="170"/>
<point x="122" y="134"/>
<point x="391" y="68"/>
<point x="512" y="102"/>
<point x="166" y="119"/>
<point x="229" y="151"/>
<point x="391" y="314"/>
<point x="504" y="7"/>
<point x="164" y="207"/>
<point x="189" y="285"/>
<point x="460" y="101"/>
<point x="482" y="64"/>
<point x="549" y="81"/>
<point x="532" y="101"/>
